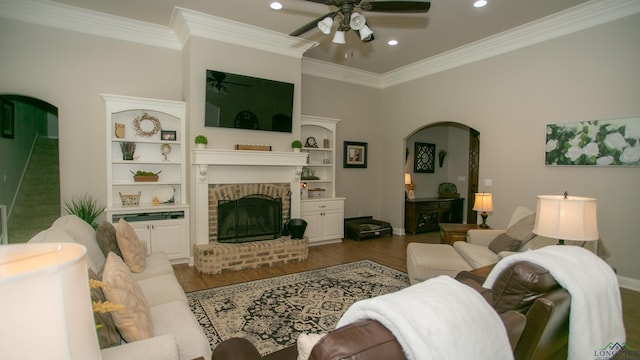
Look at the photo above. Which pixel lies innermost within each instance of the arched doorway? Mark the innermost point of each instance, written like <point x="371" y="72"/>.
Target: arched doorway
<point x="460" y="165"/>
<point x="29" y="171"/>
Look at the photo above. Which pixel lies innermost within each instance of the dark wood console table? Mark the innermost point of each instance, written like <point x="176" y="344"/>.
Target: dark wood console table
<point x="422" y="215"/>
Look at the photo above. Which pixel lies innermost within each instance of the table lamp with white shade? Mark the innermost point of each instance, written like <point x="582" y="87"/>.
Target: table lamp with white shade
<point x="483" y="202"/>
<point x="565" y="217"/>
<point x="45" y="303"/>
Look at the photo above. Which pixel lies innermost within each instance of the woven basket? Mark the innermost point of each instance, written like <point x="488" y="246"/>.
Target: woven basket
<point x="146" y="178"/>
<point x="130" y="200"/>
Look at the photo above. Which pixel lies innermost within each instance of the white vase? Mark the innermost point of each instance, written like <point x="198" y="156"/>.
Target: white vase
<point x="200" y="146"/>
<point x="296" y="149"/>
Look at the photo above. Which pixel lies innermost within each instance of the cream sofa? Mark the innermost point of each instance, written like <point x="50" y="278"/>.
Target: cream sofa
<point x="425" y="261"/>
<point x="176" y="334"/>
<point x="483" y="247"/>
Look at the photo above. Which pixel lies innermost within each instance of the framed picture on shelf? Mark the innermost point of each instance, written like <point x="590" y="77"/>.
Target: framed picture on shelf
<point x="424" y="158"/>
<point x="169" y="135"/>
<point x="6" y="119"/>
<point x="355" y="154"/>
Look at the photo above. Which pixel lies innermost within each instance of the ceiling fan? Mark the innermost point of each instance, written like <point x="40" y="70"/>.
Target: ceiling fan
<point x="216" y="80"/>
<point x="348" y="19"/>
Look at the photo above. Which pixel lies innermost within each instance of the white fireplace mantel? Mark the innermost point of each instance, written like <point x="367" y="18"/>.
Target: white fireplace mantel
<point x="215" y="166"/>
<point x="247" y="157"/>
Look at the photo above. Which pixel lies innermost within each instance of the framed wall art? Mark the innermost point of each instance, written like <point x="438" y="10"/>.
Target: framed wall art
<point x="355" y="155"/>
<point x="7" y="119"/>
<point x="168" y="135"/>
<point x="596" y="142"/>
<point x="424" y="158"/>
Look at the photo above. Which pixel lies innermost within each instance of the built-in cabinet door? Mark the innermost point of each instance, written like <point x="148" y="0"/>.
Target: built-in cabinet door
<point x="325" y="219"/>
<point x="314" y="225"/>
<point x="333" y="225"/>
<point x="165" y="235"/>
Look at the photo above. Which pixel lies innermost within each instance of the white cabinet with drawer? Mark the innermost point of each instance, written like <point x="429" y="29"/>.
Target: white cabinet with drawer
<point x="325" y="220"/>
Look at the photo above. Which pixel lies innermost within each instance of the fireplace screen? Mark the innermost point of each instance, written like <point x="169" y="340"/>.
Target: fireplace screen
<point x="251" y="218"/>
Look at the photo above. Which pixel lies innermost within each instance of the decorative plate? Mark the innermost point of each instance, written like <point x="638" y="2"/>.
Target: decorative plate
<point x="163" y="193"/>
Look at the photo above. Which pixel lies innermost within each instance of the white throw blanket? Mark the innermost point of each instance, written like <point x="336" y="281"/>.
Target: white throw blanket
<point x="596" y="309"/>
<point x="440" y="318"/>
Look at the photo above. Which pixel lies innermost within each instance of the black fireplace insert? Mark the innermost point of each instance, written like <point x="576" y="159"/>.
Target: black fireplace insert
<point x="251" y="218"/>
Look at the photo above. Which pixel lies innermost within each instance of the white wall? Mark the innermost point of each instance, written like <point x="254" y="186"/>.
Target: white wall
<point x="358" y="108"/>
<point x="69" y="70"/>
<point x="592" y="74"/>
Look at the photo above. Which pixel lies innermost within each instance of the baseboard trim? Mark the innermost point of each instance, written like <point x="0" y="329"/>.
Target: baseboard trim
<point x="629" y="283"/>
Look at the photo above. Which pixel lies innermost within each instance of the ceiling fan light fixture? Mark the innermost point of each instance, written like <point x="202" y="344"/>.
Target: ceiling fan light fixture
<point x="366" y="34"/>
<point x="338" y="38"/>
<point x="357" y="21"/>
<point x="325" y="25"/>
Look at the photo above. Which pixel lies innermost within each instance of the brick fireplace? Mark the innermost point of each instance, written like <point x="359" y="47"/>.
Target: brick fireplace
<point x="232" y="174"/>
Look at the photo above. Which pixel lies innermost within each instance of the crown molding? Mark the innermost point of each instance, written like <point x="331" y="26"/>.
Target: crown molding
<point x="341" y="73"/>
<point x="72" y="18"/>
<point x="581" y="17"/>
<point x="186" y="23"/>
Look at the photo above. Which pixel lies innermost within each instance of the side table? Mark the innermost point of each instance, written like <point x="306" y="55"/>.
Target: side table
<point x="450" y="233"/>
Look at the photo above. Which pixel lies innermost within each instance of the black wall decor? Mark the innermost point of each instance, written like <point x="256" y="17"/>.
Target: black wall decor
<point x="424" y="161"/>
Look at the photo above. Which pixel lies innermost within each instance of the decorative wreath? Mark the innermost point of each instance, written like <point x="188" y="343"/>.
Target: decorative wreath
<point x="146" y="117"/>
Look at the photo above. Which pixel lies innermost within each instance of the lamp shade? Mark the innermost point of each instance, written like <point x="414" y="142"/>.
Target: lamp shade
<point x="365" y="33"/>
<point x="338" y="37"/>
<point x="483" y="202"/>
<point x="407" y="179"/>
<point x="357" y="21"/>
<point x="325" y="25"/>
<point x="566" y="218"/>
<point x="45" y="304"/>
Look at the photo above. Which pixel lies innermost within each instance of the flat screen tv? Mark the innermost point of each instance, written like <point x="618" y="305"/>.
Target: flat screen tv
<point x="246" y="102"/>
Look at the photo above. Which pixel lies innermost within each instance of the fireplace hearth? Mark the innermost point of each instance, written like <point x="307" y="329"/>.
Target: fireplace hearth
<point x="254" y="217"/>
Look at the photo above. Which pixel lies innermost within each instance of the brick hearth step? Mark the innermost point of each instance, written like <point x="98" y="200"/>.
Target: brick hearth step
<point x="217" y="258"/>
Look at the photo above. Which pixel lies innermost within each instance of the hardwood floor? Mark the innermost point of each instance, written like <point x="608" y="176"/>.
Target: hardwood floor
<point x="389" y="251"/>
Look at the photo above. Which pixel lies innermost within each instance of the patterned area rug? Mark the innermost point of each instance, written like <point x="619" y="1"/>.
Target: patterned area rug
<point x="271" y="313"/>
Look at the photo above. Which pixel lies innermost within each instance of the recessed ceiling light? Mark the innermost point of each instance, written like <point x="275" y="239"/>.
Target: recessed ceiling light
<point x="276" y="5"/>
<point x="479" y="3"/>
<point x="392" y="42"/>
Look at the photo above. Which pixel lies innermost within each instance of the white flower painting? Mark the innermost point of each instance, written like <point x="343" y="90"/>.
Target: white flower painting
<point x="597" y="142"/>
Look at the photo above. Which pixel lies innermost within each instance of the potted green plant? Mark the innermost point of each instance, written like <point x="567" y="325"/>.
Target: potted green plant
<point x="201" y="141"/>
<point x="296" y="145"/>
<point x="85" y="207"/>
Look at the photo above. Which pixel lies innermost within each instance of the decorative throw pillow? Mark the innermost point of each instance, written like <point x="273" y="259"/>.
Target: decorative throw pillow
<point x="305" y="343"/>
<point x="134" y="321"/>
<point x="130" y="246"/>
<point x="108" y="334"/>
<point x="504" y="242"/>
<point x="523" y="228"/>
<point x="106" y="236"/>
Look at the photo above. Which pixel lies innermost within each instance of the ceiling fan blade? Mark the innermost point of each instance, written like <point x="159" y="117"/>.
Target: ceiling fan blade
<point x="312" y="24"/>
<point x="326" y="2"/>
<point x="396" y="6"/>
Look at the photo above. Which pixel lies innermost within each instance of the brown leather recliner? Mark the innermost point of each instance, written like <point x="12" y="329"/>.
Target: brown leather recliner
<point x="533" y="307"/>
